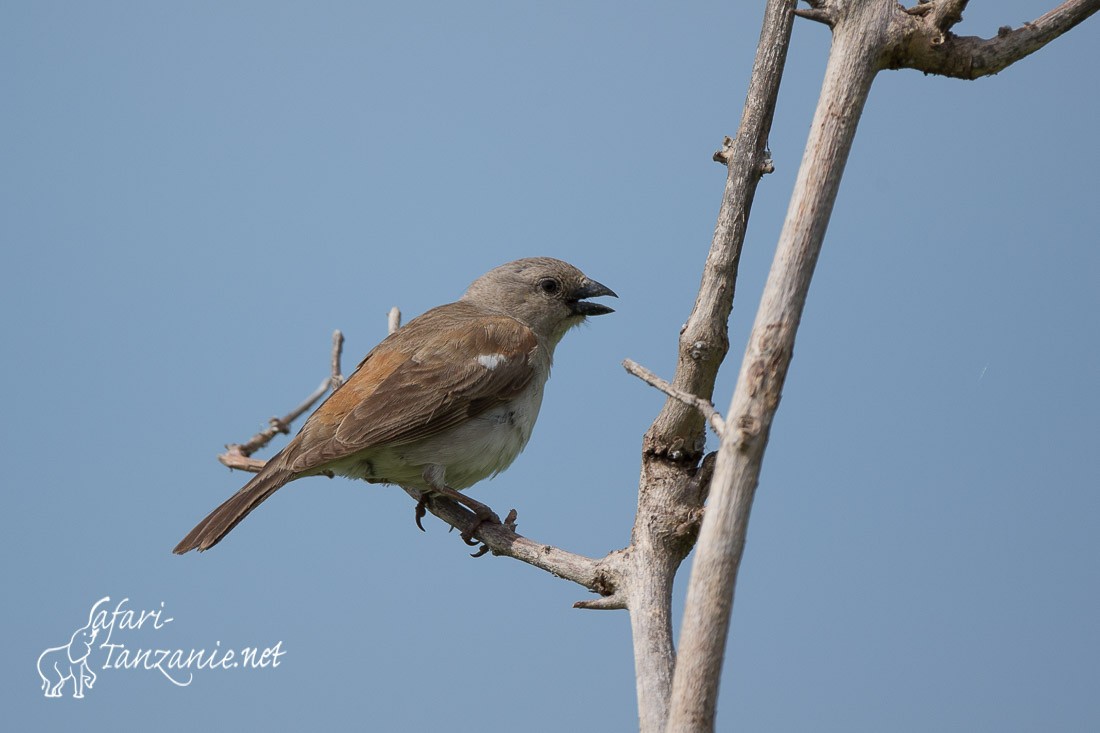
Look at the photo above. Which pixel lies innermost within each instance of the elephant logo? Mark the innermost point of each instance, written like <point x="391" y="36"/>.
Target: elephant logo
<point x="59" y="664"/>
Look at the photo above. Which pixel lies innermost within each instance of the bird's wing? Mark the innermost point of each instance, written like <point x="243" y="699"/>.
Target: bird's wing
<point x="425" y="378"/>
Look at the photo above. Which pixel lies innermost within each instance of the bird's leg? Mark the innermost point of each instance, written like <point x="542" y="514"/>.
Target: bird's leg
<point x="482" y="513"/>
<point x="433" y="475"/>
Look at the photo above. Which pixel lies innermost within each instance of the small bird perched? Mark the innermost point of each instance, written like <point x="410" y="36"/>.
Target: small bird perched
<point x="442" y="403"/>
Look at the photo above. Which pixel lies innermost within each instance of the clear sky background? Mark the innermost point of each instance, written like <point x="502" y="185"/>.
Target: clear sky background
<point x="194" y="195"/>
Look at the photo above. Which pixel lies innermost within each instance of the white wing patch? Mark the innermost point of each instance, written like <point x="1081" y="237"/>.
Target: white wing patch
<point x="491" y="361"/>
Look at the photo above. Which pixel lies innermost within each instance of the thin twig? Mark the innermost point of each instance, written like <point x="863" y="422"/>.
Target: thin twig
<point x="237" y="455"/>
<point x="614" y="602"/>
<point x="337" y="377"/>
<point x="816" y="14"/>
<point x="238" y="461"/>
<point x="713" y="418"/>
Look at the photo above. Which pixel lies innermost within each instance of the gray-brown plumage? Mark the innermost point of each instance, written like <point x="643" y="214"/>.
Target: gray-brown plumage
<point x="442" y="403"/>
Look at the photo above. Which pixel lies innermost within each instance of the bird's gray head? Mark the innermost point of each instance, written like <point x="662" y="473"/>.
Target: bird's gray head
<point x="547" y="295"/>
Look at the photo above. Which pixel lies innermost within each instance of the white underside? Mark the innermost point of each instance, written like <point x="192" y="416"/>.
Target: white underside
<point x="475" y="450"/>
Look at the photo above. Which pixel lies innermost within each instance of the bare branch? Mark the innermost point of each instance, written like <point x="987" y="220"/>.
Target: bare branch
<point x="337" y="377"/>
<point x="704" y="340"/>
<point x="599" y="576"/>
<point x="705" y="407"/>
<point x="853" y="61"/>
<point x="669" y="497"/>
<point x="237" y="455"/>
<point x="867" y="37"/>
<point x="233" y="458"/>
<point x="927" y="47"/>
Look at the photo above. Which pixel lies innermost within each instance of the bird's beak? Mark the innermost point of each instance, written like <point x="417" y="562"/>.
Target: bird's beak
<point x="590" y="289"/>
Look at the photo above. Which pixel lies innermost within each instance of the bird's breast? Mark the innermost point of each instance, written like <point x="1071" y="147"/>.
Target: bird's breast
<point x="487" y="444"/>
<point x="476" y="449"/>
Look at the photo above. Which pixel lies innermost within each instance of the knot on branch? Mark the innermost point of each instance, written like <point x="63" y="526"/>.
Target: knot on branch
<point x="279" y="425"/>
<point x="725" y="155"/>
<point x="767" y="165"/>
<point x="608" y="582"/>
<point x="933" y="21"/>
<point x="675" y="450"/>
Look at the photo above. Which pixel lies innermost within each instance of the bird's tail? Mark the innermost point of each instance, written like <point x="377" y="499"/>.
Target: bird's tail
<point x="222" y="520"/>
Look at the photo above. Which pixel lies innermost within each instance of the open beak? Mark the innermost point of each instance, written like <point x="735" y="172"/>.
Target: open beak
<point x="590" y="289"/>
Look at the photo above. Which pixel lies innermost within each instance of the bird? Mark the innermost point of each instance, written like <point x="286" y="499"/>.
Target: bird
<point x="445" y="401"/>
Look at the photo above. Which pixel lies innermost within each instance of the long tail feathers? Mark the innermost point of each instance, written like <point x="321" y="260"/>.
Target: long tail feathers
<point x="222" y="520"/>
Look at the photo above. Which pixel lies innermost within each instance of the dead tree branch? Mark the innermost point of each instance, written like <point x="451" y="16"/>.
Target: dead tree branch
<point x="866" y="37"/>
<point x="669" y="499"/>
<point x="930" y="47"/>
<point x="848" y="76"/>
<point x="238" y="455"/>
<point x="599" y="576"/>
<point x="705" y="407"/>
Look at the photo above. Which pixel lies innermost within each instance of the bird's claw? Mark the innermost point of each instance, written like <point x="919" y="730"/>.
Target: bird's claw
<point x="421" y="511"/>
<point x="480" y="518"/>
<point x="509" y="523"/>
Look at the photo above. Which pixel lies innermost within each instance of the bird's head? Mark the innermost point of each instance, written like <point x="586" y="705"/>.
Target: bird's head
<point x="547" y="295"/>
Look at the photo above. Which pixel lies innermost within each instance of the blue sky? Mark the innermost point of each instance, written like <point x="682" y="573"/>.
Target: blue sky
<point x="195" y="195"/>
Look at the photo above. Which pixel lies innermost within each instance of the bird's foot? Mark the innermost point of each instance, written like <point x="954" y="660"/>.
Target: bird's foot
<point x="509" y="523"/>
<point x="482" y="514"/>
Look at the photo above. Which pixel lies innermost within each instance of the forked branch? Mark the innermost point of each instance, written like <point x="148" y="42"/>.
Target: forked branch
<point x="868" y="35"/>
<point x="238" y="455"/>
<point x="927" y="45"/>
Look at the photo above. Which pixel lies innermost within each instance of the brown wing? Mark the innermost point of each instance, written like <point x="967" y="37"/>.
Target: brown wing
<point x="423" y="379"/>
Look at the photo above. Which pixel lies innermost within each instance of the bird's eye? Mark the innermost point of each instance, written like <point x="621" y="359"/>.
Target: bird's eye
<point x="550" y="286"/>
